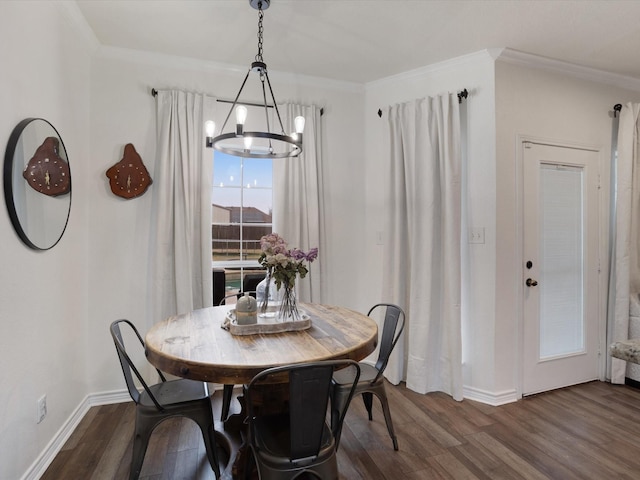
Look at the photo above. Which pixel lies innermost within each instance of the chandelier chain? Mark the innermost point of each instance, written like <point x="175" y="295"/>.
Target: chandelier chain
<point x="260" y="31"/>
<point x="258" y="144"/>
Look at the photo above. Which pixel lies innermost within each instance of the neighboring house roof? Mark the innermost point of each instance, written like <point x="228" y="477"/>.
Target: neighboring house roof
<point x="249" y="214"/>
<point x="215" y="205"/>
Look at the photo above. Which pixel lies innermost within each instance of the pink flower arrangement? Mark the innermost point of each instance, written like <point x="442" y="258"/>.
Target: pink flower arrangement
<point x="282" y="263"/>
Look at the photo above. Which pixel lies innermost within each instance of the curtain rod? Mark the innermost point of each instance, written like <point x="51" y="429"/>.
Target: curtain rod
<point x="154" y="93"/>
<point x="616" y="108"/>
<point x="462" y="94"/>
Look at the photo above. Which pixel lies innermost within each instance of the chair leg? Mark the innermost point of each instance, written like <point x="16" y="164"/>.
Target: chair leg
<point x="140" y="442"/>
<point x="367" y="398"/>
<point x="227" y="395"/>
<point x="209" y="437"/>
<point x="387" y="417"/>
<point x="250" y="464"/>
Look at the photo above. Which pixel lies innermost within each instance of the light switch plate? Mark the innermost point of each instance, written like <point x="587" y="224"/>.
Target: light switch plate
<point x="476" y="235"/>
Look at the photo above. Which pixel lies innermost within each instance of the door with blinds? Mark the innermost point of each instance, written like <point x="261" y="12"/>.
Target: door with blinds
<point x="560" y="283"/>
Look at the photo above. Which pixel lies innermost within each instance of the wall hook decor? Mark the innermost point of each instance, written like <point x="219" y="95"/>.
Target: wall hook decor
<point x="129" y="178"/>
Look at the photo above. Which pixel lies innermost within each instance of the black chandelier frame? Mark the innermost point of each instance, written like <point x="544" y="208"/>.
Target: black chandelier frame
<point x="290" y="145"/>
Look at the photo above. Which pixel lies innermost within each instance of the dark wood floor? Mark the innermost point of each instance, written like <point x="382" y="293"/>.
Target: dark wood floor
<point x="589" y="431"/>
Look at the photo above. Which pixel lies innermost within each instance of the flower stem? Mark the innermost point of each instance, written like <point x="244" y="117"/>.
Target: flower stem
<point x="289" y="306"/>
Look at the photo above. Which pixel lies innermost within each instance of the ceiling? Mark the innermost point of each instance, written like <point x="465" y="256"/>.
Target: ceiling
<point x="365" y="40"/>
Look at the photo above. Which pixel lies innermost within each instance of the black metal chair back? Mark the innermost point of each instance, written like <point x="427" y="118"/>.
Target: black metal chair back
<point x="128" y="367"/>
<point x="251" y="280"/>
<point x="391" y="330"/>
<point x="287" y="443"/>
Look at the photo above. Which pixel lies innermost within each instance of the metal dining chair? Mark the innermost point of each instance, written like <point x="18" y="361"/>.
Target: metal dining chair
<point x="371" y="381"/>
<point x="166" y="399"/>
<point x="288" y="444"/>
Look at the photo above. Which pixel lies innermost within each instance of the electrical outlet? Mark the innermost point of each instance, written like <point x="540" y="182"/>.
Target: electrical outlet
<point x="42" y="408"/>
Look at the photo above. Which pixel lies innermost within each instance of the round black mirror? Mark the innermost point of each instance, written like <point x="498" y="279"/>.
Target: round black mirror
<point x="37" y="183"/>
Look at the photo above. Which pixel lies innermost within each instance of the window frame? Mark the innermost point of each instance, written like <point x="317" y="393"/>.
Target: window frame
<point x="236" y="269"/>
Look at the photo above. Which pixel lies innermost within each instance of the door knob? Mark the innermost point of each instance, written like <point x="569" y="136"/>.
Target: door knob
<point x="530" y="282"/>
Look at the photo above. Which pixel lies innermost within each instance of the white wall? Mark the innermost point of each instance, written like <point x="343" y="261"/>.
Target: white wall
<point x="123" y="111"/>
<point x="475" y="73"/>
<point x="43" y="295"/>
<point x="544" y="100"/>
<point x="528" y="96"/>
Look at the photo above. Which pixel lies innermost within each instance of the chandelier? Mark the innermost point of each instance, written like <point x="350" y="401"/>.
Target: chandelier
<point x="266" y="144"/>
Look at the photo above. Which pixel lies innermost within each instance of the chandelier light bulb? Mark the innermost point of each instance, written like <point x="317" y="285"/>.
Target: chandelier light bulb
<point x="210" y="127"/>
<point x="299" y="123"/>
<point x="241" y="114"/>
<point x="247" y="143"/>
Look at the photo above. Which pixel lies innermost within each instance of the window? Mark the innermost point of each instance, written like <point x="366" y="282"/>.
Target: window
<point x="242" y="204"/>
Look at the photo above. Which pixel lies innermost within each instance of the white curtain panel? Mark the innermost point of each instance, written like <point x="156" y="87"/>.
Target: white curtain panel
<point x="298" y="207"/>
<point x="627" y="234"/>
<point x="181" y="210"/>
<point x="422" y="267"/>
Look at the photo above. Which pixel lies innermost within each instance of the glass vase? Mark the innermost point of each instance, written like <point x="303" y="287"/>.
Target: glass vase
<point x="289" y="306"/>
<point x="269" y="298"/>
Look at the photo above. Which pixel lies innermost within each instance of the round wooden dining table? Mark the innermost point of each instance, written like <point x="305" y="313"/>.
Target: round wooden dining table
<point x="193" y="345"/>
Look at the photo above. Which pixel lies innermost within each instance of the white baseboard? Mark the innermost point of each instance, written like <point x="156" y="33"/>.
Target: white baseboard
<point x="490" y="398"/>
<point x="37" y="468"/>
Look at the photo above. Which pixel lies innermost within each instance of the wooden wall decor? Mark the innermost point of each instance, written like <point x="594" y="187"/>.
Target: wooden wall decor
<point x="47" y="172"/>
<point x="129" y="177"/>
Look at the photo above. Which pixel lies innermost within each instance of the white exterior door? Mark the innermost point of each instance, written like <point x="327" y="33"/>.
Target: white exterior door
<point x="560" y="232"/>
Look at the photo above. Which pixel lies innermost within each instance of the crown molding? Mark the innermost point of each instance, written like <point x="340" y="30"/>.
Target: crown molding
<point x="516" y="57"/>
<point x="453" y="63"/>
<point x="190" y="63"/>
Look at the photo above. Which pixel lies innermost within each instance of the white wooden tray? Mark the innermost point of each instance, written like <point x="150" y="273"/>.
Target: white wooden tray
<point x="265" y="325"/>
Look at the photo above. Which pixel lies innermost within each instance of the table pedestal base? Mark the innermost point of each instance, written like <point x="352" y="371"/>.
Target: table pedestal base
<point x="270" y="399"/>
